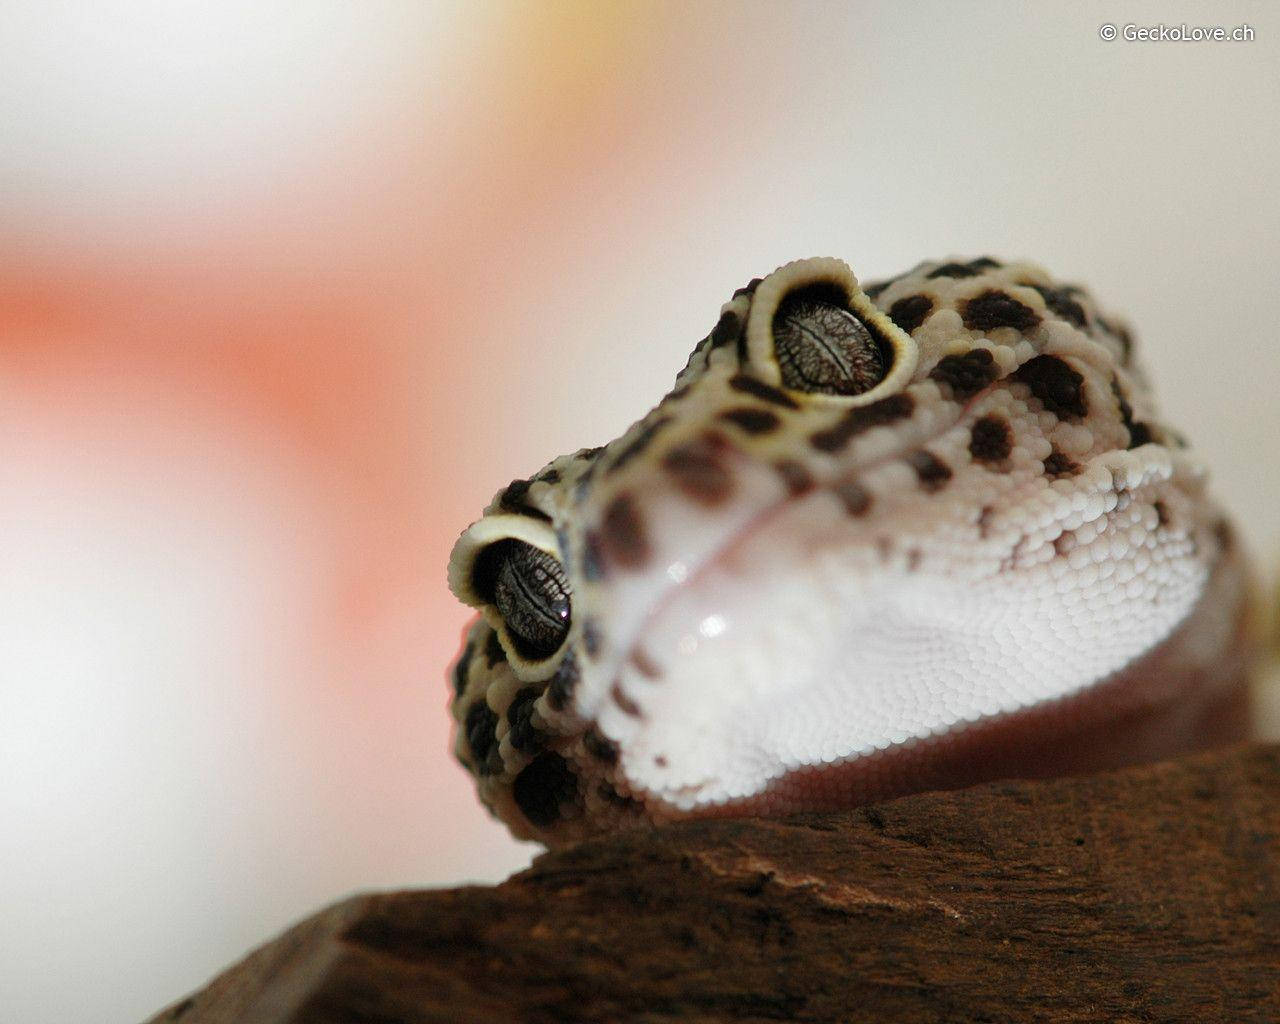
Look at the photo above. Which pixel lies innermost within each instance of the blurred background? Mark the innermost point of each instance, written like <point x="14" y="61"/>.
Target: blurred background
<point x="288" y="290"/>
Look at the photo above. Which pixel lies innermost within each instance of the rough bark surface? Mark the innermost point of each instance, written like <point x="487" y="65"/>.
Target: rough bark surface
<point x="1151" y="894"/>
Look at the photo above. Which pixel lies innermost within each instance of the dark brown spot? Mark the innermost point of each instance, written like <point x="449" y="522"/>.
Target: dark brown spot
<point x="954" y="270"/>
<point x="481" y="739"/>
<point x="698" y="469"/>
<point x="461" y="669"/>
<point x="625" y="704"/>
<point x="645" y="665"/>
<point x="602" y="749"/>
<point x="749" y="385"/>
<point x="984" y="520"/>
<point x="660" y="762"/>
<point x="1126" y="343"/>
<point x="914" y="558"/>
<point x="514" y="493"/>
<point x="863" y="418"/>
<point x="967" y="373"/>
<point x="1064" y="543"/>
<point x="856" y="498"/>
<point x="931" y="470"/>
<point x="563" y="683"/>
<point x="984" y="263"/>
<point x="994" y="308"/>
<point x="727" y="329"/>
<point x="749" y="288"/>
<point x="1224" y="534"/>
<point x="1122" y="401"/>
<point x="494" y="652"/>
<point x="752" y="420"/>
<point x="549" y="476"/>
<point x="1059" y="464"/>
<point x="1140" y="434"/>
<point x="798" y="480"/>
<point x="545" y="785"/>
<point x="638" y="444"/>
<point x="622" y="535"/>
<point x="1162" y="512"/>
<point x="1061" y="302"/>
<point x="514" y="499"/>
<point x="591" y="637"/>
<point x="990" y="439"/>
<point x="1059" y="387"/>
<point x="910" y="312"/>
<point x="523" y="734"/>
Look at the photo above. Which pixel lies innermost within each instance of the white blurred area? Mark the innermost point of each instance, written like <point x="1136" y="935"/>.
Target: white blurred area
<point x="545" y="204"/>
<point x="147" y="127"/>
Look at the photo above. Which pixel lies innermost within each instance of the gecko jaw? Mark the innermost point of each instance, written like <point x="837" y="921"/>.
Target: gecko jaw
<point x="814" y="643"/>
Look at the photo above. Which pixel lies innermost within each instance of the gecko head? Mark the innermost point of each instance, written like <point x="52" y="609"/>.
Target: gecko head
<point x="844" y="531"/>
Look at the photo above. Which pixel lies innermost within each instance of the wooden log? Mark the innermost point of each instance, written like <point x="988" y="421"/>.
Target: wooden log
<point x="1150" y="894"/>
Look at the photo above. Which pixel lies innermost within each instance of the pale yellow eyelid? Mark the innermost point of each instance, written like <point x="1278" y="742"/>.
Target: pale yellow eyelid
<point x="486" y="531"/>
<point x="825" y="270"/>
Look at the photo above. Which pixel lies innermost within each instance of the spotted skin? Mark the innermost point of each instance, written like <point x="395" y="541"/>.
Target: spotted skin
<point x="996" y="561"/>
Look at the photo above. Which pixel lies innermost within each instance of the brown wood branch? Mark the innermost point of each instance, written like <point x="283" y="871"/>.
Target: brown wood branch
<point x="1151" y="894"/>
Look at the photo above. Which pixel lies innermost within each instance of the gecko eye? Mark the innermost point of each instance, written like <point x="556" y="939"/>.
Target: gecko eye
<point x="821" y="346"/>
<point x="529" y="589"/>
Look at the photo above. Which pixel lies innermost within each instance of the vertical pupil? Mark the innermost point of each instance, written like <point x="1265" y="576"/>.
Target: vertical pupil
<point x="529" y="589"/>
<point x="822" y="347"/>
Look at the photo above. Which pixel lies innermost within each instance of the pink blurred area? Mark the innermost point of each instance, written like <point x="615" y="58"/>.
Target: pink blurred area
<point x="256" y="367"/>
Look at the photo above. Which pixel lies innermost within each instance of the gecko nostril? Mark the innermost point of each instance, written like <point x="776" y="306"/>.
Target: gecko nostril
<point x="529" y="589"/>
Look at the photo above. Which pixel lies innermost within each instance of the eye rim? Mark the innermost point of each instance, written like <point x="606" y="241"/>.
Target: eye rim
<point x="475" y="540"/>
<point x="818" y="274"/>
